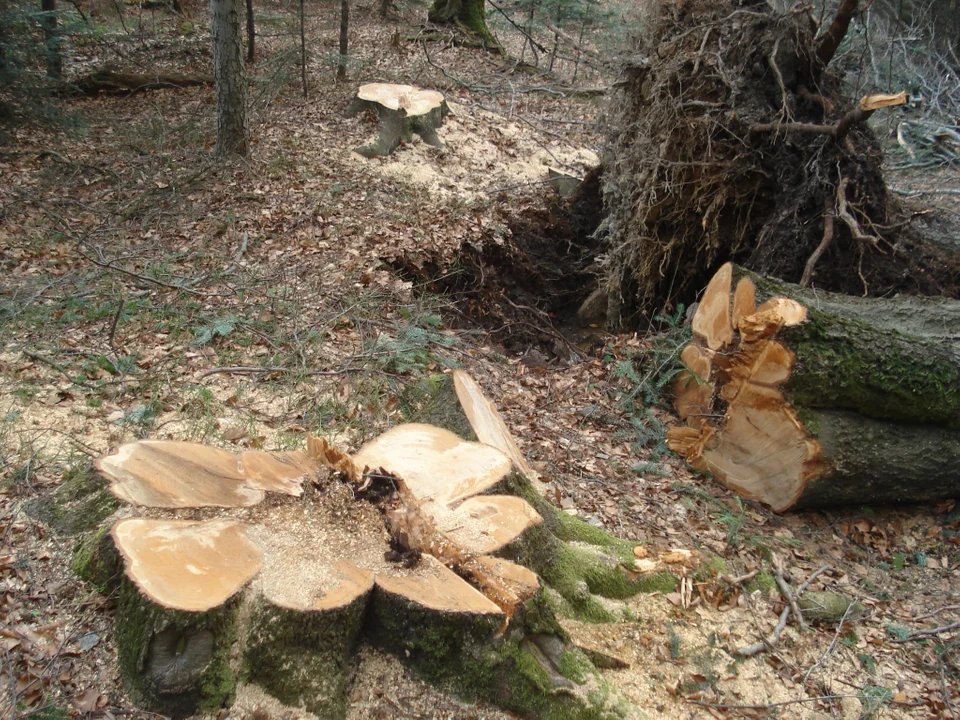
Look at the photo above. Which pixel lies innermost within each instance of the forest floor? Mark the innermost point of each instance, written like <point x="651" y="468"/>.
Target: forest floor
<point x="147" y="291"/>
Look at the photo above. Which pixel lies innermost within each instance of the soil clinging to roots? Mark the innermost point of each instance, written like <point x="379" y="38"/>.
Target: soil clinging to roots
<point x="690" y="181"/>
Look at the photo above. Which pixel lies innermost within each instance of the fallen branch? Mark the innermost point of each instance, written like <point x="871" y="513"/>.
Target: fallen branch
<point x="110" y="82"/>
<point x="920" y="634"/>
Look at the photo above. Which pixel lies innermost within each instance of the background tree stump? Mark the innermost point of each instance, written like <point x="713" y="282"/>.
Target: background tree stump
<point x="404" y="111"/>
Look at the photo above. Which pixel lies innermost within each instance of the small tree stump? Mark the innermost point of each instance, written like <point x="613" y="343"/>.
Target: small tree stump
<point x="404" y="110"/>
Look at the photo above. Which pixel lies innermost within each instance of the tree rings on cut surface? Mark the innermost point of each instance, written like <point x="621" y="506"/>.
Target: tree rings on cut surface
<point x="404" y="111"/>
<point x="820" y="399"/>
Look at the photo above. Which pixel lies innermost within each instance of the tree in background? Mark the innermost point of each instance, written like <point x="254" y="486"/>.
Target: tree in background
<point x="251" y="34"/>
<point x="344" y="39"/>
<point x="468" y="15"/>
<point x="51" y="38"/>
<point x="229" y="79"/>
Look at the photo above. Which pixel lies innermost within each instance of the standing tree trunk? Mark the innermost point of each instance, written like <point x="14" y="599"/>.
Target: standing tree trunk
<point x="51" y="39"/>
<point x="251" y="34"/>
<point x="228" y="77"/>
<point x="303" y="50"/>
<point x="468" y="15"/>
<point x="344" y="38"/>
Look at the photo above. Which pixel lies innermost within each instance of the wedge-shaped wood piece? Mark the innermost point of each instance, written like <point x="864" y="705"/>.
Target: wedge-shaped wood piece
<point x="186" y="565"/>
<point x="484" y="524"/>
<point x="487" y="422"/>
<point x="165" y="474"/>
<point x="712" y="320"/>
<point x="434" y="587"/>
<point x="744" y="300"/>
<point x="436" y="464"/>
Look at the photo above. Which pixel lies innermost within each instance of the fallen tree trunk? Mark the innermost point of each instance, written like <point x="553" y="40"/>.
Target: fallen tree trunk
<point x="111" y="82"/>
<point x="815" y="399"/>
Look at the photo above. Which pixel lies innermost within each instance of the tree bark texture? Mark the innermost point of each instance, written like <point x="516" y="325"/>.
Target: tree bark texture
<point x="251" y="34"/>
<point x="229" y="78"/>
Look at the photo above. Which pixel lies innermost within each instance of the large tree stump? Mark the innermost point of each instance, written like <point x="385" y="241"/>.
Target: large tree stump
<point x="817" y="399"/>
<point x="263" y="566"/>
<point x="403" y="110"/>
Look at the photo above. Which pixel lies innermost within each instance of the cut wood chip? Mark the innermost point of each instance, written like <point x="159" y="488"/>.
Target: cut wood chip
<point x="744" y="300"/>
<point x="187" y="565"/>
<point x="156" y="473"/>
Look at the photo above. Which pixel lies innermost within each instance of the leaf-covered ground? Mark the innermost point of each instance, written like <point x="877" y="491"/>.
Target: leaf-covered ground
<point x="147" y="291"/>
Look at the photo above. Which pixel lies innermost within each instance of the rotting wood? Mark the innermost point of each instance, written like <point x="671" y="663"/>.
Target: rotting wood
<point x="822" y="399"/>
<point x="114" y="82"/>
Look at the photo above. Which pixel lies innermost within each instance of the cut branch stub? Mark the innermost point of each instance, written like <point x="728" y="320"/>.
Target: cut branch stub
<point x="823" y="399"/>
<point x="403" y="110"/>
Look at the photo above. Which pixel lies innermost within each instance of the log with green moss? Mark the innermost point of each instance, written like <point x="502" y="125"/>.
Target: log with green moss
<point x="800" y="398"/>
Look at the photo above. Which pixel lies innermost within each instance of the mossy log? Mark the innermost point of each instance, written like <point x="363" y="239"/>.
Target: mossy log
<point x="403" y="111"/>
<point x="815" y="399"/>
<point x="410" y="545"/>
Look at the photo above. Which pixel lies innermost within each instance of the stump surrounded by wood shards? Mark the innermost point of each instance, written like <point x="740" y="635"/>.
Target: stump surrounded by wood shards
<point x="262" y="566"/>
<point x="818" y="399"/>
<point x="403" y="111"/>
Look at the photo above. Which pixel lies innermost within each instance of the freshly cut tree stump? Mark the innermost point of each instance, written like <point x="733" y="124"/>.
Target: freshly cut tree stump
<point x="404" y="110"/>
<point x="266" y="567"/>
<point x="815" y="399"/>
<point x="582" y="564"/>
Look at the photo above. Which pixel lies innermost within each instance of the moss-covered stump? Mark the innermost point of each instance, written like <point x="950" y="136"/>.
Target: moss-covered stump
<point x="804" y="399"/>
<point x="404" y="111"/>
<point x="283" y="568"/>
<point x="583" y="564"/>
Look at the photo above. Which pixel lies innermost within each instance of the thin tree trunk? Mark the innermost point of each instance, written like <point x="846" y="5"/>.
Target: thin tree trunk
<point x="838" y="30"/>
<point x="251" y="34"/>
<point x="228" y="78"/>
<point x="51" y="39"/>
<point x="344" y="37"/>
<point x="303" y="50"/>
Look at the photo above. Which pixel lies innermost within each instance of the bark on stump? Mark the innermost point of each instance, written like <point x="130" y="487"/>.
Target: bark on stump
<point x="403" y="111"/>
<point x="281" y="570"/>
<point x="814" y="399"/>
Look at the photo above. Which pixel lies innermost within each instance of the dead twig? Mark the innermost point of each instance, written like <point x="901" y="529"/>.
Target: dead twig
<point x="920" y="634"/>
